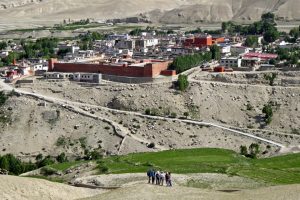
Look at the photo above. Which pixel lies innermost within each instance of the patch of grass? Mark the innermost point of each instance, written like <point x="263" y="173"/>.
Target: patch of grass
<point x="275" y="170"/>
<point x="66" y="165"/>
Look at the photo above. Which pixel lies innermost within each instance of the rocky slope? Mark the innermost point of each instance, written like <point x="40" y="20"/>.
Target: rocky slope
<point x="44" y="12"/>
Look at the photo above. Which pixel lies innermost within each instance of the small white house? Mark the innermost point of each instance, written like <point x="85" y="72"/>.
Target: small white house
<point x="87" y="77"/>
<point x="231" y="62"/>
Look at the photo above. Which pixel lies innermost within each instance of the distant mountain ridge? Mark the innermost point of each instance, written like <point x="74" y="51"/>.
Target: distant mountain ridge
<point x="163" y="11"/>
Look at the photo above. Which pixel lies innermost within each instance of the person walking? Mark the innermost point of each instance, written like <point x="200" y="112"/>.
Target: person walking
<point x="162" y="178"/>
<point x="170" y="179"/>
<point x="157" y="177"/>
<point x="149" y="175"/>
<point x="153" y="173"/>
<point x="167" y="177"/>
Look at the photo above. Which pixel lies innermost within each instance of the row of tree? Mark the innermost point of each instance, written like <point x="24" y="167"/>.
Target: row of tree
<point x="183" y="63"/>
<point x="266" y="27"/>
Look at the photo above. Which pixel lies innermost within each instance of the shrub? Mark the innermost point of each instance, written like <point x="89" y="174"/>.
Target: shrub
<point x="243" y="150"/>
<point x="151" y="145"/>
<point x="271" y="78"/>
<point x="39" y="157"/>
<point x="254" y="150"/>
<point x="83" y="142"/>
<point x="148" y="111"/>
<point x="93" y="155"/>
<point x="173" y="115"/>
<point x="186" y="114"/>
<point x="61" y="141"/>
<point x="154" y="112"/>
<point x="48" y="171"/>
<point x="46" y="161"/>
<point x="295" y="131"/>
<point x="103" y="168"/>
<point x="3" y="98"/>
<point x="62" y="158"/>
<point x="268" y="111"/>
<point x="249" y="107"/>
<point x="182" y="82"/>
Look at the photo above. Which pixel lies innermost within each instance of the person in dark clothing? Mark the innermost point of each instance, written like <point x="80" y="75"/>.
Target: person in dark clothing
<point x="153" y="172"/>
<point x="167" y="178"/>
<point x="157" y="177"/>
<point x="170" y="180"/>
<point x="149" y="175"/>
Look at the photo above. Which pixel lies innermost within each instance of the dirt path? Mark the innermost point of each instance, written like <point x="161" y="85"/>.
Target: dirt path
<point x="122" y="131"/>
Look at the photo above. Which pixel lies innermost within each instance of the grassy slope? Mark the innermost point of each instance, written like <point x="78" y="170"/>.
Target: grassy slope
<point x="66" y="165"/>
<point x="276" y="170"/>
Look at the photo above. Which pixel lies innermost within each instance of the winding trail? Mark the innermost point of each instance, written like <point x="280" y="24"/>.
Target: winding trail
<point x="122" y="131"/>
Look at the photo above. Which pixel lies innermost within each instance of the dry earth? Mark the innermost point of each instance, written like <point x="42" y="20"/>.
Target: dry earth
<point x="12" y="188"/>
<point x="25" y="13"/>
<point x="148" y="192"/>
<point x="134" y="187"/>
<point x="40" y="127"/>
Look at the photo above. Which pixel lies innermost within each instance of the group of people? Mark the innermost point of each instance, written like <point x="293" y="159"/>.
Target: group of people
<point x="159" y="177"/>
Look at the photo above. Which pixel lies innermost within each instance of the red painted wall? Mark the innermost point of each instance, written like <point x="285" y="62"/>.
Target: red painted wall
<point x="149" y="70"/>
<point x="198" y="42"/>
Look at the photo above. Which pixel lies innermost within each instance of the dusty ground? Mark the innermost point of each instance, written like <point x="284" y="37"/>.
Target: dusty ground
<point x="12" y="188"/>
<point x="25" y="13"/>
<point x="134" y="187"/>
<point x="145" y="191"/>
<point x="222" y="101"/>
<point x="204" y="181"/>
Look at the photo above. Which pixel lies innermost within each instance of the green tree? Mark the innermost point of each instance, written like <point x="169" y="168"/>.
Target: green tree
<point x="183" y="63"/>
<point x="3" y="45"/>
<point x="61" y="158"/>
<point x="294" y="59"/>
<point x="268" y="17"/>
<point x="268" y="111"/>
<point x="271" y="78"/>
<point x="215" y="52"/>
<point x="186" y="114"/>
<point x="3" y="98"/>
<point x="148" y="111"/>
<point x="243" y="150"/>
<point x="182" y="82"/>
<point x="251" y="41"/>
<point x="271" y="35"/>
<point x="4" y="163"/>
<point x="254" y="150"/>
<point x="46" y="161"/>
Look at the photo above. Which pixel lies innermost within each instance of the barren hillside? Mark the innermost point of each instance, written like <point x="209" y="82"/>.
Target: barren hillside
<point x="31" y="128"/>
<point x="44" y="12"/>
<point x="12" y="188"/>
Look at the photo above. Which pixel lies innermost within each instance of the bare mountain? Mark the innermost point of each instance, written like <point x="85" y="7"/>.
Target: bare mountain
<point x="16" y="13"/>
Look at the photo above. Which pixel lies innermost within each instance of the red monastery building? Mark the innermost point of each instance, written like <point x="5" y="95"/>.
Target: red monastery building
<point x="144" y="68"/>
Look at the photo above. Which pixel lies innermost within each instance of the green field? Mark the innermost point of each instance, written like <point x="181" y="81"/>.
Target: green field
<point x="276" y="170"/>
<point x="66" y="165"/>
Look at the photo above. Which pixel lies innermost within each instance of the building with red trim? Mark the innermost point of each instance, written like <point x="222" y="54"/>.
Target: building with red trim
<point x="203" y="41"/>
<point x="262" y="56"/>
<point x="143" y="68"/>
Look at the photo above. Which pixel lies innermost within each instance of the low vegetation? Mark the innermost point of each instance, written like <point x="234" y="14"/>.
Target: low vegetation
<point x="183" y="63"/>
<point x="275" y="170"/>
<point x="3" y="98"/>
<point x="268" y="111"/>
<point x="182" y="83"/>
<point x="271" y="78"/>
